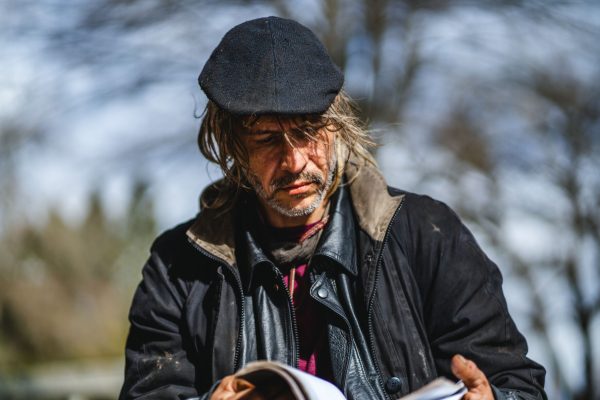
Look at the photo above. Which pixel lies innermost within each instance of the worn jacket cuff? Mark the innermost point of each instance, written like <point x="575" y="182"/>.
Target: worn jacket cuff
<point x="507" y="394"/>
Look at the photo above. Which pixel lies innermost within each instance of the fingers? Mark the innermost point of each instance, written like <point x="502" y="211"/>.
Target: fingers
<point x="223" y="390"/>
<point x="240" y="384"/>
<point x="232" y="388"/>
<point x="245" y="394"/>
<point x="473" y="378"/>
<point x="467" y="371"/>
<point x="245" y="390"/>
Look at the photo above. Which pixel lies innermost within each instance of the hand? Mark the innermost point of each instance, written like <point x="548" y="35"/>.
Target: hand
<point x="232" y="388"/>
<point x="474" y="379"/>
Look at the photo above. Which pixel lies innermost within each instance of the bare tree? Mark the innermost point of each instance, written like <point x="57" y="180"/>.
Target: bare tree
<point x="561" y="148"/>
<point x="127" y="47"/>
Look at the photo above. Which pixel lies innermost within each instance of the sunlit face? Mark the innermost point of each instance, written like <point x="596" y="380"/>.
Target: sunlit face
<point x="290" y="172"/>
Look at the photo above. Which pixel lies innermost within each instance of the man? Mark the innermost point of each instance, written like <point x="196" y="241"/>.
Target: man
<point x="303" y="255"/>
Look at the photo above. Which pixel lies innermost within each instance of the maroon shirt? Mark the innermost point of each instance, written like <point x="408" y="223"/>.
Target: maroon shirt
<point x="312" y="331"/>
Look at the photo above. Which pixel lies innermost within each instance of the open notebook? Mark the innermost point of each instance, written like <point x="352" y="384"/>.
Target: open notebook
<point x="277" y="381"/>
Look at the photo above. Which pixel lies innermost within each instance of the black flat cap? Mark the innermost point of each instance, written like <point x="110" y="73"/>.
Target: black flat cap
<point x="271" y="66"/>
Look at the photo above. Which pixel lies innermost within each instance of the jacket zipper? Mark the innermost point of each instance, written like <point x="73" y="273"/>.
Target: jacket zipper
<point x="350" y="342"/>
<point x="372" y="298"/>
<point x="292" y="316"/>
<point x="240" y="292"/>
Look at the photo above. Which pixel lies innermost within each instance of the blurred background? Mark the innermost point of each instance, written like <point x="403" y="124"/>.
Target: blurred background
<point x="490" y="106"/>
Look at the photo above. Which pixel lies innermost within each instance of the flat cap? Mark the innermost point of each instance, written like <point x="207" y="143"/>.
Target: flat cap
<point x="271" y="65"/>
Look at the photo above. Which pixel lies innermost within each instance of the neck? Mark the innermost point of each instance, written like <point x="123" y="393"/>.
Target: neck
<point x="278" y="220"/>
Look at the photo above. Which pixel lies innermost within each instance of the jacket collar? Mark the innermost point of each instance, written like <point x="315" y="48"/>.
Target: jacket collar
<point x="338" y="239"/>
<point x="368" y="201"/>
<point x="336" y="245"/>
<point x="373" y="205"/>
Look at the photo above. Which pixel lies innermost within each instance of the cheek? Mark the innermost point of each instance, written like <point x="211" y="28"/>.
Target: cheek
<point x="322" y="154"/>
<point x="263" y="166"/>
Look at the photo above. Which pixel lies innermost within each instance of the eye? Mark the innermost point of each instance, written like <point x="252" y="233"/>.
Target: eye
<point x="302" y="136"/>
<point x="266" y="139"/>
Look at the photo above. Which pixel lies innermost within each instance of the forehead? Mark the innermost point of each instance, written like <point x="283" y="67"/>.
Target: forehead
<point x="270" y="123"/>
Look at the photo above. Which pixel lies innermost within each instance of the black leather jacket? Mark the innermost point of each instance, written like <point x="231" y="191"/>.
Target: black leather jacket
<point x="403" y="281"/>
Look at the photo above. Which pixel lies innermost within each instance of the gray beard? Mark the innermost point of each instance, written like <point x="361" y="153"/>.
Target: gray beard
<point x="322" y="189"/>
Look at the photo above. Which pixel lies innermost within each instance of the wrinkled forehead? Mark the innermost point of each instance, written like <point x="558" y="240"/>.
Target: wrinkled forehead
<point x="281" y="123"/>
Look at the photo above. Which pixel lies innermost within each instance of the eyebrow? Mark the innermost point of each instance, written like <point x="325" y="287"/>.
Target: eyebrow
<point x="264" y="132"/>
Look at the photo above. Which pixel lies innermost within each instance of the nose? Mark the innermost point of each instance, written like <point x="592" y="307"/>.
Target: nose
<point x="293" y="158"/>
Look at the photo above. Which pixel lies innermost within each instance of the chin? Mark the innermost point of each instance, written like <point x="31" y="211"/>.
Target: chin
<point x="296" y="207"/>
<point x="305" y="200"/>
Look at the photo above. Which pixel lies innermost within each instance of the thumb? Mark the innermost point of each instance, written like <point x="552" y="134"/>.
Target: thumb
<point x="467" y="371"/>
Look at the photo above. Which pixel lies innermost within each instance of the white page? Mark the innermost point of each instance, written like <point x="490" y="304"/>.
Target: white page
<point x="439" y="389"/>
<point x="316" y="387"/>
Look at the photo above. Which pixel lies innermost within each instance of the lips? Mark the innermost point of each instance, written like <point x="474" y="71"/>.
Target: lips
<point x="297" y="188"/>
<point x="296" y="185"/>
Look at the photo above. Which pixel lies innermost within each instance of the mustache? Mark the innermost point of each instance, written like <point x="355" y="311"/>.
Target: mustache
<point x="305" y="176"/>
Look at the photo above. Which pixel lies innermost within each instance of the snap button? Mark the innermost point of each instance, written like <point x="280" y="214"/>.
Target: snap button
<point x="393" y="385"/>
<point x="322" y="292"/>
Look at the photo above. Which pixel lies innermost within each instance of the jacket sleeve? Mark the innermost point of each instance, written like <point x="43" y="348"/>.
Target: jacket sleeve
<point x="158" y="363"/>
<point x="465" y="308"/>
